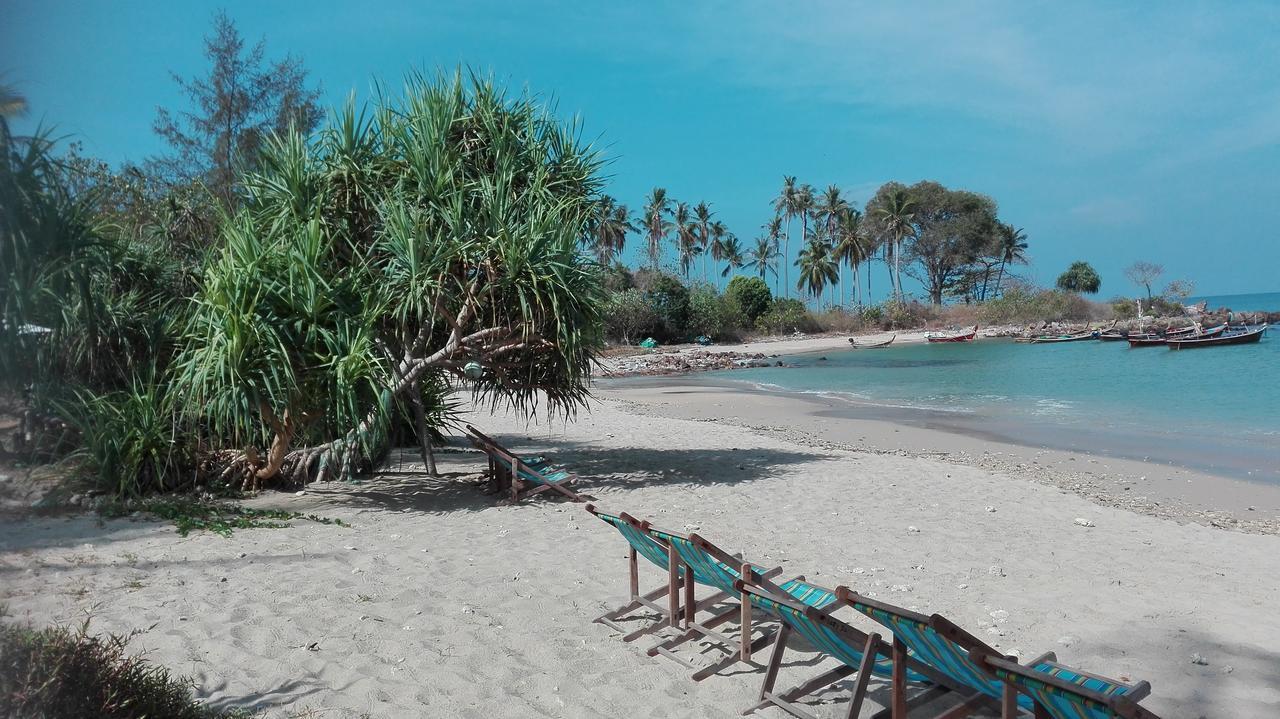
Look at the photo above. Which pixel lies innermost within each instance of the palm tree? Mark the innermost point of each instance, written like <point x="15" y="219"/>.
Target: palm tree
<point x="702" y="214"/>
<point x="762" y="256"/>
<point x="773" y="232"/>
<point x="850" y="246"/>
<point x="817" y="267"/>
<point x="731" y="253"/>
<point x="686" y="237"/>
<point x="896" y="215"/>
<point x="609" y="233"/>
<point x="718" y="233"/>
<point x="785" y="207"/>
<point x="1013" y="249"/>
<point x="830" y="208"/>
<point x="802" y="205"/>
<point x="655" y="224"/>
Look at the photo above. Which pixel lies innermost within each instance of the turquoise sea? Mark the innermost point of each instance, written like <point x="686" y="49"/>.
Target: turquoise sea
<point x="1255" y="302"/>
<point x="1214" y="409"/>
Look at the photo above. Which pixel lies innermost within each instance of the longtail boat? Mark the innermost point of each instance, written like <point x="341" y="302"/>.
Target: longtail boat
<point x="872" y="346"/>
<point x="1113" y="335"/>
<point x="961" y="336"/>
<point x="1147" y="339"/>
<point x="1241" y="335"/>
<point x="1074" y="337"/>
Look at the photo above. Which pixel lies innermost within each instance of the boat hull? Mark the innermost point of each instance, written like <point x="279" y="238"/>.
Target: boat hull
<point x="1248" y="335"/>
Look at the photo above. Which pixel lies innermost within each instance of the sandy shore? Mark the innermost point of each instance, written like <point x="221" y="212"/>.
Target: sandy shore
<point x="435" y="602"/>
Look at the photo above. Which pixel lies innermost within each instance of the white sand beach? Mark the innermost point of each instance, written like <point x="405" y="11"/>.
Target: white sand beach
<point x="436" y="602"/>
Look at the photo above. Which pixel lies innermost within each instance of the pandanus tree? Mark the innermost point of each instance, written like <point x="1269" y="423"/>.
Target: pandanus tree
<point x="432" y="241"/>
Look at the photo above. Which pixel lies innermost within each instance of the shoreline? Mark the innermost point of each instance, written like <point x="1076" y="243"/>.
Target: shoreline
<point x="1150" y="487"/>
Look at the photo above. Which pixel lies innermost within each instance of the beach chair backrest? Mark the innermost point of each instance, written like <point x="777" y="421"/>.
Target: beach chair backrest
<point x="821" y="630"/>
<point x="634" y="531"/>
<point x="699" y="556"/>
<point x="1067" y="693"/>
<point x="927" y="644"/>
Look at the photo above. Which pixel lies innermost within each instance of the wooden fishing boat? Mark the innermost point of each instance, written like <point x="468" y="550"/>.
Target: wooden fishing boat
<point x="1147" y="339"/>
<point x="961" y="336"/>
<point x="1074" y="337"/>
<point x="873" y="345"/>
<point x="1181" y="331"/>
<point x="1241" y="335"/>
<point x="1113" y="335"/>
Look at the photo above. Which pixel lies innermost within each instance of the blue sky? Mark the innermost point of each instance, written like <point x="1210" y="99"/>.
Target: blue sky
<point x="1110" y="131"/>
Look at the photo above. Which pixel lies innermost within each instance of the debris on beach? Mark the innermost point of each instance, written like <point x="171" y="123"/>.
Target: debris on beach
<point x="679" y="362"/>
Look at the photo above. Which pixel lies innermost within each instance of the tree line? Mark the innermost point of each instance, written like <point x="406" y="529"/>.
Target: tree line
<point x="951" y="241"/>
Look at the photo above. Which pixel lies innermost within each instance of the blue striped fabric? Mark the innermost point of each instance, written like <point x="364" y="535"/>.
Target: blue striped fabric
<point x="1062" y="704"/>
<point x="937" y="651"/>
<point x="541" y="478"/>
<point x="644" y="544"/>
<point x="824" y="638"/>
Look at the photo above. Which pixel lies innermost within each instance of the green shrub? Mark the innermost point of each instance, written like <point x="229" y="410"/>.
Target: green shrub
<point x="629" y="316"/>
<point x="872" y="314"/>
<point x="57" y="673"/>
<point x="1023" y="306"/>
<point x="132" y="439"/>
<point x="786" y="315"/>
<point x="751" y="294"/>
<point x="670" y="302"/>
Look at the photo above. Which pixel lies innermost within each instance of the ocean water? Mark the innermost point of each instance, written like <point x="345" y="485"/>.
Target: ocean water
<point x="1212" y="408"/>
<point x="1256" y="302"/>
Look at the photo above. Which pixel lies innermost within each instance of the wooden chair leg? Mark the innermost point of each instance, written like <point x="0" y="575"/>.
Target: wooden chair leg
<point x="869" y="652"/>
<point x="673" y="586"/>
<point x="633" y="573"/>
<point x="690" y="605"/>
<point x="745" y="620"/>
<point x="1009" y="703"/>
<point x="898" y="698"/>
<point x="775" y="661"/>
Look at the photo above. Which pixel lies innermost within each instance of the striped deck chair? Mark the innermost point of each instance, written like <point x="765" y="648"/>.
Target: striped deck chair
<point x="946" y="648"/>
<point x="528" y="476"/>
<point x="856" y="651"/>
<point x="713" y="567"/>
<point x="1060" y="692"/>
<point x="643" y="544"/>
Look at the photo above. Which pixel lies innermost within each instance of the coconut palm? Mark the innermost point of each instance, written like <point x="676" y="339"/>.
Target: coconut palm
<point x="718" y="234"/>
<point x="817" y="267"/>
<point x="802" y="204"/>
<point x="686" y="237"/>
<point x="702" y="215"/>
<point x="1012" y="248"/>
<point x="896" y="216"/>
<point x="784" y="206"/>
<point x="773" y="232"/>
<point x="731" y="253"/>
<point x="761" y="258"/>
<point x="655" y="225"/>
<point x="608" y="234"/>
<point x="850" y="246"/>
<point x="828" y="210"/>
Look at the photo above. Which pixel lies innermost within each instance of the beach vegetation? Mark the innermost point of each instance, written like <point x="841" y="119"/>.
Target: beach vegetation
<point x="629" y="316"/>
<point x="1080" y="277"/>
<point x="1028" y="305"/>
<point x="70" y="674"/>
<point x="751" y="294"/>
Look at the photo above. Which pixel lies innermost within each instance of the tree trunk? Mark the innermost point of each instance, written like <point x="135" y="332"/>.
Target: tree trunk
<point x="424" y="433"/>
<point x="1000" y="278"/>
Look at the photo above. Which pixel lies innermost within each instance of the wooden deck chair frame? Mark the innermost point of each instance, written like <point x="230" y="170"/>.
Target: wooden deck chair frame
<point x="978" y="699"/>
<point x="740" y="648"/>
<point x="500" y="458"/>
<point x="1122" y="705"/>
<point x="870" y="646"/>
<point x="668" y="613"/>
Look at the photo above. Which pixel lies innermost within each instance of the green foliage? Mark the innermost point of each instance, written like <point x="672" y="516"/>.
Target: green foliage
<point x="1080" y="277"/>
<point x="442" y="229"/>
<point x="786" y="315"/>
<point x="670" y="302"/>
<point x="751" y="294"/>
<point x="132" y="439"/>
<point x="223" y="517"/>
<point x="1025" y="306"/>
<point x="629" y="316"/>
<point x="713" y="315"/>
<point x="58" y="673"/>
